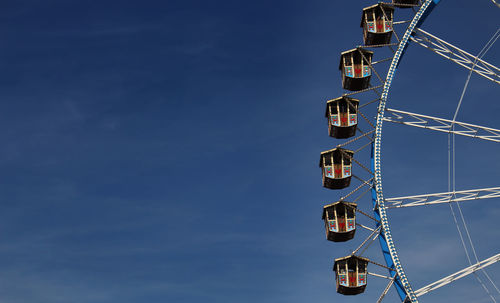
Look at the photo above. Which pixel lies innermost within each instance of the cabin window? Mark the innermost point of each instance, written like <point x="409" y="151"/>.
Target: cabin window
<point x="327" y="160"/>
<point x="357" y="57"/>
<point x="353" y="109"/>
<point x="347" y="60"/>
<point x="343" y="106"/>
<point x="340" y="211"/>
<point x="337" y="157"/>
<point x="333" y="109"/>
<point x="347" y="159"/>
<point x="350" y="212"/>
<point x="362" y="266"/>
<point x="341" y="267"/>
<point x="369" y="16"/>
<point x="352" y="263"/>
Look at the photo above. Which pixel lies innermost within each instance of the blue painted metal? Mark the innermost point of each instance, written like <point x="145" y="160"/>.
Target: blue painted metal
<point x="389" y="252"/>
<point x="431" y="6"/>
<point x="383" y="242"/>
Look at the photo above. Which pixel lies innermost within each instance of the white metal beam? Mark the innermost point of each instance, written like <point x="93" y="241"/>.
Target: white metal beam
<point x="458" y="275"/>
<point x="442" y="125"/>
<point x="377" y="230"/>
<point x="386" y="289"/>
<point x="447" y="197"/>
<point x="380" y="276"/>
<point x="456" y="55"/>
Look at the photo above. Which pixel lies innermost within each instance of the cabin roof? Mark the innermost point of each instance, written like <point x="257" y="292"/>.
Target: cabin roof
<point x="366" y="52"/>
<point x="352" y="100"/>
<point x="332" y="150"/>
<point x="336" y="148"/>
<point x="354" y="205"/>
<point x="385" y="6"/>
<point x="347" y="258"/>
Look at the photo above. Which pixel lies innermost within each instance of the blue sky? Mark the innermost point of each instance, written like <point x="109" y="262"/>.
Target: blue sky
<point x="167" y="151"/>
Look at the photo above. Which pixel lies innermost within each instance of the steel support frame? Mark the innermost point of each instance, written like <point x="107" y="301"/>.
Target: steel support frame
<point x="443" y="125"/>
<point x="446" y="197"/>
<point x="389" y="252"/>
<point x="456" y="55"/>
<point x="458" y="275"/>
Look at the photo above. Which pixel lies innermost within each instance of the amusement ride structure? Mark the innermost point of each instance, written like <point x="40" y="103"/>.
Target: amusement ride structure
<point x="359" y="71"/>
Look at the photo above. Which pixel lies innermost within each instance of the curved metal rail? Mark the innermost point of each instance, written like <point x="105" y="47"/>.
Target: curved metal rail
<point x="401" y="282"/>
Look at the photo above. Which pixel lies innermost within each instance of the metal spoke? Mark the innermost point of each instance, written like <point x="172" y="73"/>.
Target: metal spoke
<point x="457" y="55"/>
<point x="383" y="266"/>
<point x="386" y="289"/>
<point x="447" y="197"/>
<point x="365" y="227"/>
<point x="361" y="195"/>
<point x="368" y="103"/>
<point x="365" y="183"/>
<point x="367" y="120"/>
<point x="380" y="45"/>
<point x="364" y="90"/>
<point x="366" y="240"/>
<point x="363" y="147"/>
<point x="369" y="244"/>
<point x="401" y="22"/>
<point x="382" y="60"/>
<point x="458" y="275"/>
<point x="443" y="125"/>
<point x="372" y="68"/>
<point x="357" y="138"/>
<point x="380" y="276"/>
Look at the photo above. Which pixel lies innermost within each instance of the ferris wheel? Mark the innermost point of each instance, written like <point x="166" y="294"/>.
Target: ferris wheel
<point x="354" y="165"/>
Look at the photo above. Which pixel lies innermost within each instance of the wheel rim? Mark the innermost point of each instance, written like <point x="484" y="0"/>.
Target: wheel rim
<point x="389" y="252"/>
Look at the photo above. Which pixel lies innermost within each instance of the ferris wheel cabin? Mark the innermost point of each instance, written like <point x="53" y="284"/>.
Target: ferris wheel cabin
<point x="350" y="274"/>
<point x="340" y="221"/>
<point x="355" y="67"/>
<point x="405" y="3"/>
<point x="377" y="24"/>
<point x="342" y="115"/>
<point x="336" y="167"/>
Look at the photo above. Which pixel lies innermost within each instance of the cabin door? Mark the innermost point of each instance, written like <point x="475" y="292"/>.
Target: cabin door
<point x="379" y="25"/>
<point x="341" y="224"/>
<point x="344" y="119"/>
<point x="338" y="171"/>
<point x="358" y="70"/>
<point x="353" y="279"/>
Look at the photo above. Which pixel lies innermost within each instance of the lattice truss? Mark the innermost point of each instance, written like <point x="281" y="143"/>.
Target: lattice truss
<point x="458" y="275"/>
<point x="456" y="55"/>
<point x="447" y="197"/>
<point x="442" y="125"/>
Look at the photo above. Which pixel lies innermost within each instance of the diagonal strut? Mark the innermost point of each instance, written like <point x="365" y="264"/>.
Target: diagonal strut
<point x="447" y="197"/>
<point x="456" y="55"/>
<point x="442" y="125"/>
<point x="458" y="275"/>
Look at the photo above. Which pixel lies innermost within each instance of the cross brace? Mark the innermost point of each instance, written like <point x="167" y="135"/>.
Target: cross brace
<point x="456" y="55"/>
<point x="442" y="125"/>
<point x="458" y="275"/>
<point x="456" y="196"/>
<point x="386" y="289"/>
